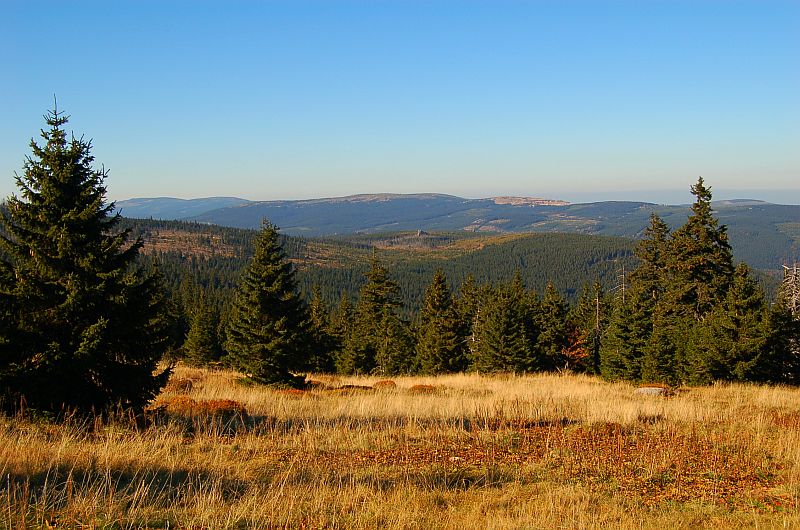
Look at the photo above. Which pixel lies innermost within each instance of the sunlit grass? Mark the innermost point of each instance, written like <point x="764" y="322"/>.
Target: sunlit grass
<point x="547" y="451"/>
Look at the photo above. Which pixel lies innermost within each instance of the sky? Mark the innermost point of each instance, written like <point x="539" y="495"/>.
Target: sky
<point x="575" y="100"/>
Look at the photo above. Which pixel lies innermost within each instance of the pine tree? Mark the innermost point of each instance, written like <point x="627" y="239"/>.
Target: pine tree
<point x="268" y="335"/>
<point x="82" y="326"/>
<point x="624" y="342"/>
<point x="340" y="329"/>
<point x="202" y="346"/>
<point x="440" y="344"/>
<point x="394" y="353"/>
<point x="736" y="333"/>
<point x="323" y="343"/>
<point x="501" y="341"/>
<point x="659" y="354"/>
<point x="651" y="322"/>
<point x="587" y="321"/>
<point x="700" y="263"/>
<point x="379" y="341"/>
<point x="466" y="306"/>
<point x="553" y="326"/>
<point x="653" y="252"/>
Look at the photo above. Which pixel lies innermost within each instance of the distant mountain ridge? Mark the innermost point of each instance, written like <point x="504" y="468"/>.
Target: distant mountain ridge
<point x="169" y="208"/>
<point x="763" y="234"/>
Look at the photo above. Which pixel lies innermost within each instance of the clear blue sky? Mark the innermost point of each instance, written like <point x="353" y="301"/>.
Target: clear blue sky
<point x="267" y="99"/>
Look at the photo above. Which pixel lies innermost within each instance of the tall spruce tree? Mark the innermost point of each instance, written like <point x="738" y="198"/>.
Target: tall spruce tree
<point x="82" y="326"/>
<point x="268" y="336"/>
<point x="700" y="262"/>
<point x="654" y="322"/>
<point x="440" y="343"/>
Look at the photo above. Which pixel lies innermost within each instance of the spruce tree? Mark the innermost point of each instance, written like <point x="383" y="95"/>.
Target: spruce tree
<point x="501" y="342"/>
<point x="587" y="320"/>
<point x="323" y="343"/>
<point x="653" y="252"/>
<point x="700" y="263"/>
<point x="624" y="342"/>
<point x="653" y="321"/>
<point x="552" y="326"/>
<point x="202" y="346"/>
<point x="379" y="341"/>
<point x="736" y="333"/>
<point x="440" y="343"/>
<point x="268" y="335"/>
<point x="82" y="326"/>
<point x="466" y="306"/>
<point x="340" y="329"/>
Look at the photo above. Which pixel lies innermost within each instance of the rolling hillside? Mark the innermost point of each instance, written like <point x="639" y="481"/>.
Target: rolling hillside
<point x="214" y="256"/>
<point x="762" y="234"/>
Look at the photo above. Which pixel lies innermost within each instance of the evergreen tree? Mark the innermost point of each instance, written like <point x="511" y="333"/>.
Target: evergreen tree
<point x="340" y="329"/>
<point x="466" y="306"/>
<point x="624" y="343"/>
<point x="202" y="346"/>
<point x="440" y="344"/>
<point x="323" y="344"/>
<point x="553" y="328"/>
<point x="659" y="355"/>
<point x="500" y="340"/>
<point x="700" y="263"/>
<point x="587" y="320"/>
<point x="394" y="353"/>
<point x="268" y="335"/>
<point x="736" y="334"/>
<point x="379" y="341"/>
<point x="782" y="364"/>
<point x="651" y="321"/>
<point x="653" y="252"/>
<point x="82" y="326"/>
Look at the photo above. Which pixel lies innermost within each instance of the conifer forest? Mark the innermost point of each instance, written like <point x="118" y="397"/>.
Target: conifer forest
<point x="86" y="303"/>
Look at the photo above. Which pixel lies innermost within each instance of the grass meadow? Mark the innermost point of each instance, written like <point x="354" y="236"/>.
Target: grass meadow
<point x="461" y="451"/>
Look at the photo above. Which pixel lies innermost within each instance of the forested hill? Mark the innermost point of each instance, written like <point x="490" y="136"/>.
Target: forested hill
<point x="214" y="256"/>
<point x="764" y="235"/>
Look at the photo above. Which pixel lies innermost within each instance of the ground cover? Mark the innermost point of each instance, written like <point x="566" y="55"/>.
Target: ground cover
<point x="462" y="451"/>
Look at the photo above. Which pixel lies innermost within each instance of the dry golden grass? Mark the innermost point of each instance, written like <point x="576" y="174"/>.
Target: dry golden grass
<point x="549" y="451"/>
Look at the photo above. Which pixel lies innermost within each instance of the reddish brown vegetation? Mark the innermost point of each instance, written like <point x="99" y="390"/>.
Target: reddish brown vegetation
<point x="385" y="384"/>
<point x="423" y="389"/>
<point x="787" y="420"/>
<point x="186" y="406"/>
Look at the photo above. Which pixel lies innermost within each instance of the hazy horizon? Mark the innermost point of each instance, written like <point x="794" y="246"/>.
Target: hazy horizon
<point x="670" y="197"/>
